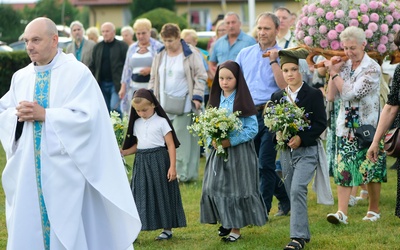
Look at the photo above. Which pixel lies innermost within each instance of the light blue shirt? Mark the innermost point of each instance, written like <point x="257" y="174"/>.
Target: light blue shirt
<point x="249" y="124"/>
<point x="223" y="51"/>
<point x="258" y="73"/>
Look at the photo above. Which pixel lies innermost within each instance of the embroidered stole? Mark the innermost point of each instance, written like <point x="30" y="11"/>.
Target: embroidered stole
<point x="41" y="95"/>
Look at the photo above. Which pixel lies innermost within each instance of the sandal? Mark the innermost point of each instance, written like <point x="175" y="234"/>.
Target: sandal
<point x="224" y="231"/>
<point x="363" y="195"/>
<point x="231" y="238"/>
<point x="295" y="244"/>
<point x="336" y="218"/>
<point x="374" y="217"/>
<point x="164" y="236"/>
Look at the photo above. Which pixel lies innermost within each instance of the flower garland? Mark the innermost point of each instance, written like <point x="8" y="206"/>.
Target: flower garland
<point x="322" y="21"/>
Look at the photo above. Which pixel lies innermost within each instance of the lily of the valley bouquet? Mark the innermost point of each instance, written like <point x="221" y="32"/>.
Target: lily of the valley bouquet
<point x="214" y="125"/>
<point x="119" y="126"/>
<point x="285" y="119"/>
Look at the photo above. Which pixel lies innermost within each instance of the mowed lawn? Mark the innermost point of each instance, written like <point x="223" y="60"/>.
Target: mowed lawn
<point x="358" y="234"/>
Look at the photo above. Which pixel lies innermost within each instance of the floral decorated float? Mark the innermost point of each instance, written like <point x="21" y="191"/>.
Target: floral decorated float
<point x="322" y="21"/>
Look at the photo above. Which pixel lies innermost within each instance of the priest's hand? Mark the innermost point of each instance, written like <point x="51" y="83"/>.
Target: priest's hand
<point x="30" y="112"/>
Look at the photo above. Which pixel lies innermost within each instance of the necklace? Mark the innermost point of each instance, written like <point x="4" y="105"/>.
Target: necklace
<point x="170" y="65"/>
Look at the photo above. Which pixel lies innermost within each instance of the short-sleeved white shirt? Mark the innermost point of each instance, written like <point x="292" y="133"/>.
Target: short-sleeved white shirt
<point x="150" y="133"/>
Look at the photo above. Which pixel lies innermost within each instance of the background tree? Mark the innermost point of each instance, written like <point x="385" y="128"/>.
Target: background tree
<point x="161" y="16"/>
<point x="11" y="24"/>
<point x="139" y="7"/>
<point x="61" y="12"/>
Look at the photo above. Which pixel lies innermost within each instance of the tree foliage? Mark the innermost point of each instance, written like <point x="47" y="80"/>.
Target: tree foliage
<point x="139" y="7"/>
<point x="61" y="12"/>
<point x="10" y="24"/>
<point x="160" y="16"/>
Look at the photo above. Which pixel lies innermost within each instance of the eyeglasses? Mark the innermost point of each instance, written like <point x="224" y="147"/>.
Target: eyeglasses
<point x="221" y="30"/>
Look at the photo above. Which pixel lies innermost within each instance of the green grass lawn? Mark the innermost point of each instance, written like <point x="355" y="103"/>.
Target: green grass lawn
<point x="358" y="234"/>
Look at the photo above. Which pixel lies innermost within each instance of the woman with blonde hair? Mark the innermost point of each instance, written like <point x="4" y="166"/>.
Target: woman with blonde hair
<point x="139" y="58"/>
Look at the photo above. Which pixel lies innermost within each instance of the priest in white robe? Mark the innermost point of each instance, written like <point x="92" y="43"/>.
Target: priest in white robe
<point x="64" y="180"/>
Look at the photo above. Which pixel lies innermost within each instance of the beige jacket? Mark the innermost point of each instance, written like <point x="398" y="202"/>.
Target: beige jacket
<point x="195" y="72"/>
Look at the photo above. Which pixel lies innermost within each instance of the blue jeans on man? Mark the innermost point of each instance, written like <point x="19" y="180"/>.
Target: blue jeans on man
<point x="270" y="183"/>
<point x="110" y="96"/>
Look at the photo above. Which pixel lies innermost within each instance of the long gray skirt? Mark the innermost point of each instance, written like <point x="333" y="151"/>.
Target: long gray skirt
<point x="231" y="192"/>
<point x="158" y="201"/>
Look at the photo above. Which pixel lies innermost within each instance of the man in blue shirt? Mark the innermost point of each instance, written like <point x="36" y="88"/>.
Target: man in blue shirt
<point x="264" y="77"/>
<point x="229" y="45"/>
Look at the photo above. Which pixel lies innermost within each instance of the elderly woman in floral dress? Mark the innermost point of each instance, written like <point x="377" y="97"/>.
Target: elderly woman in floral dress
<point x="356" y="83"/>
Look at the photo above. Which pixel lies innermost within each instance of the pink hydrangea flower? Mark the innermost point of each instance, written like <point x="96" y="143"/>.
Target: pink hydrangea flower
<point x="389" y="19"/>
<point x="335" y="45"/>
<point x="393" y="47"/>
<point x="320" y="12"/>
<point x="373" y="27"/>
<point x="368" y="33"/>
<point x="374" y="17"/>
<point x="396" y="27"/>
<point x="332" y="35"/>
<point x="381" y="48"/>
<point x="304" y="20"/>
<point x="364" y="19"/>
<point x="339" y="14"/>
<point x="396" y="15"/>
<point x="305" y="9"/>
<point x="312" y="21"/>
<point x="325" y="2"/>
<point x="330" y="16"/>
<point x="311" y="8"/>
<point x="312" y="31"/>
<point x="373" y="5"/>
<point x="354" y="22"/>
<point x="300" y="35"/>
<point x="392" y="6"/>
<point x="339" y="28"/>
<point x="353" y="13"/>
<point x="384" y="28"/>
<point x="384" y="40"/>
<point x="323" y="29"/>
<point x="335" y="3"/>
<point x="363" y="8"/>
<point x="323" y="43"/>
<point x="308" y="40"/>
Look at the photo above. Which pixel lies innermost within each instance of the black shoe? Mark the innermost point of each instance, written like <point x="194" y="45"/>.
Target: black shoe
<point x="224" y="231"/>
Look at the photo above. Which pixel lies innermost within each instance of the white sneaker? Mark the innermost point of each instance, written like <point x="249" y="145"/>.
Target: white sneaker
<point x="336" y="218"/>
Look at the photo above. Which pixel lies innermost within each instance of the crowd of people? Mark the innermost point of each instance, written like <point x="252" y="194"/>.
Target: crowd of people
<point x="56" y="114"/>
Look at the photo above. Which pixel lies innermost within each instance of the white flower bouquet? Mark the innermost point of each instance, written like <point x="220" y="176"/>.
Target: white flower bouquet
<point x="286" y="120"/>
<point x="215" y="125"/>
<point x="120" y="126"/>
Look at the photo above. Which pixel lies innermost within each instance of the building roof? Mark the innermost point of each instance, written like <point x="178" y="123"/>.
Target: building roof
<point x="21" y="6"/>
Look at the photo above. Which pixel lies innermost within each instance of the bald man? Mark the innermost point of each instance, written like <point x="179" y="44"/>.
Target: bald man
<point x="64" y="180"/>
<point x="107" y="65"/>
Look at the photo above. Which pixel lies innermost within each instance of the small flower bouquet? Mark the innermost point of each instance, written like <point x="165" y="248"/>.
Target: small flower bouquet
<point x="322" y="21"/>
<point x="120" y="126"/>
<point x="215" y="124"/>
<point x="286" y="120"/>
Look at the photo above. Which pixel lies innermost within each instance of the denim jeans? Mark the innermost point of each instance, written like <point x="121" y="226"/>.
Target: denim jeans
<point x="270" y="183"/>
<point x="110" y="96"/>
